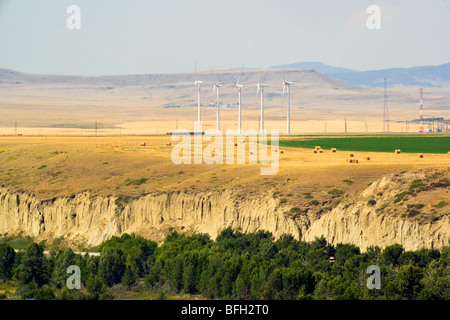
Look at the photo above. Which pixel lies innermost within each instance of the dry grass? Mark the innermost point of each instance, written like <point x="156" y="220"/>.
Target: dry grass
<point x="62" y="166"/>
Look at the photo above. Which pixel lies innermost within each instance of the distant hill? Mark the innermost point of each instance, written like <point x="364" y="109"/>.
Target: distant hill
<point x="318" y="66"/>
<point x="421" y="76"/>
<point x="249" y="77"/>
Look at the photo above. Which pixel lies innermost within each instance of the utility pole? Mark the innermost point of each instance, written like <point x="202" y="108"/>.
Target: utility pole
<point x="421" y="109"/>
<point x="386" y="110"/>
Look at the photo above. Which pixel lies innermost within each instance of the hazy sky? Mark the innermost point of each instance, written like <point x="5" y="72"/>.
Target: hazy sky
<point x="167" y="36"/>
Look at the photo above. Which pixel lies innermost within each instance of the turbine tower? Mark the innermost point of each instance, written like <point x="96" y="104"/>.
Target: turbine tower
<point x="198" y="84"/>
<point x="260" y="88"/>
<point x="239" y="88"/>
<point x="287" y="88"/>
<point x="217" y="87"/>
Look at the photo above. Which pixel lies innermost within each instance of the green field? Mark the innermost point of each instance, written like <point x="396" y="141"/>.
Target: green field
<point x="376" y="144"/>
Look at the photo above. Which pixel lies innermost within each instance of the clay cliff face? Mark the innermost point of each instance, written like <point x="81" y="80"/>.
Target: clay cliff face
<point x="86" y="220"/>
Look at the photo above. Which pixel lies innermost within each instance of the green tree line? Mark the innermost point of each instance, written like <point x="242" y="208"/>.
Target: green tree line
<point x="234" y="266"/>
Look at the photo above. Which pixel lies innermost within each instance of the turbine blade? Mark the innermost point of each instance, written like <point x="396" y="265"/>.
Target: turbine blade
<point x="240" y="74"/>
<point x="213" y="77"/>
<point x="195" y="67"/>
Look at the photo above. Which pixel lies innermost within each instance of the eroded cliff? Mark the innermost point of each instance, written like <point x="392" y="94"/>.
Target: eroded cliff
<point x="370" y="217"/>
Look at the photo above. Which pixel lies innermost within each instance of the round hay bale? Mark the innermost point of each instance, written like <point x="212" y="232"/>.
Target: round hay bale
<point x="281" y="151"/>
<point x="168" y="144"/>
<point x="351" y="155"/>
<point x="320" y="151"/>
<point x="317" y="148"/>
<point x="398" y="151"/>
<point x="420" y="155"/>
<point x="314" y="151"/>
<point x="367" y="158"/>
<point x="333" y="149"/>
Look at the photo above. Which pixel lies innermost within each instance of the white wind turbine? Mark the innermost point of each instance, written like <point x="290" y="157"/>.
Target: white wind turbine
<point x="287" y="88"/>
<point x="260" y="88"/>
<point x="239" y="88"/>
<point x="217" y="87"/>
<point x="198" y="84"/>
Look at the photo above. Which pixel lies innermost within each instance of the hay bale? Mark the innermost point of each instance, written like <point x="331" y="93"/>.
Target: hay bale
<point x="168" y="144"/>
<point x="317" y="148"/>
<point x="398" y="151"/>
<point x="281" y="151"/>
<point x="235" y="144"/>
<point x="333" y="149"/>
<point x="351" y="155"/>
<point x="367" y="158"/>
<point x="314" y="151"/>
<point x="420" y="155"/>
<point x="320" y="151"/>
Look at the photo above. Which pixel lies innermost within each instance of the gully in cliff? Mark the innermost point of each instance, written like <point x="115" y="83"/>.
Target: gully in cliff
<point x="258" y="148"/>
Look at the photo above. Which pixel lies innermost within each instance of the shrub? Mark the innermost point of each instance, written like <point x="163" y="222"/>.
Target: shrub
<point x="295" y="209"/>
<point x="441" y="204"/>
<point x="135" y="182"/>
<point x="336" y="192"/>
<point x="372" y="202"/>
<point x="314" y="202"/>
<point x="413" y="213"/>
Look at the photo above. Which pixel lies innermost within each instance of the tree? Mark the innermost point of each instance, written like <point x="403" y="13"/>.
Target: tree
<point x="32" y="266"/>
<point x="129" y="277"/>
<point x="392" y="253"/>
<point x="344" y="252"/>
<point x="111" y="266"/>
<point x="63" y="260"/>
<point x="7" y="256"/>
<point x="407" y="283"/>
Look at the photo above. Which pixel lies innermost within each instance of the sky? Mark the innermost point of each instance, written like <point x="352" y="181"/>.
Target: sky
<point x="168" y="36"/>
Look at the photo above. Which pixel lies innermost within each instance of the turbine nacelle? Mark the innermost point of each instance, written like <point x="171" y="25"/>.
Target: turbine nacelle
<point x="198" y="82"/>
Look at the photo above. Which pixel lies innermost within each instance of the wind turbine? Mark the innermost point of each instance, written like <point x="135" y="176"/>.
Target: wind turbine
<point x="198" y="84"/>
<point x="217" y="87"/>
<point x="239" y="88"/>
<point x="260" y="88"/>
<point x="287" y="88"/>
